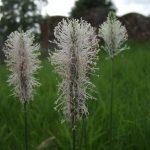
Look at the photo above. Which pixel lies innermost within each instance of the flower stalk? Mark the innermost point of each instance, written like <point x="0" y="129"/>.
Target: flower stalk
<point x="85" y="132"/>
<point x="26" y="125"/>
<point x="114" y="36"/>
<point x="74" y="60"/>
<point x="111" y="100"/>
<point x="22" y="61"/>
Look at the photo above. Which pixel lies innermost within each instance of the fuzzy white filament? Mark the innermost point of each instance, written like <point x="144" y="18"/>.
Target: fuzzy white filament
<point x="74" y="60"/>
<point x="22" y="61"/>
<point x="113" y="34"/>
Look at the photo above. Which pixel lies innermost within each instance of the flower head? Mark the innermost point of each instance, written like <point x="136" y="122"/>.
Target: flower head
<point x="113" y="34"/>
<point x="74" y="60"/>
<point x="22" y="61"/>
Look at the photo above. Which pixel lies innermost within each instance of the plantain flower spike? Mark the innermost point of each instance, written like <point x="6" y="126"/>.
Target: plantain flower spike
<point x="74" y="61"/>
<point x="114" y="35"/>
<point x="22" y="61"/>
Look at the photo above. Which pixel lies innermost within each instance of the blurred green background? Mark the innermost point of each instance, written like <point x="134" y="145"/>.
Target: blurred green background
<point x="131" y="116"/>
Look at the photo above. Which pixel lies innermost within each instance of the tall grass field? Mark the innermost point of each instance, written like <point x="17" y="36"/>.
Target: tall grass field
<point x="131" y="112"/>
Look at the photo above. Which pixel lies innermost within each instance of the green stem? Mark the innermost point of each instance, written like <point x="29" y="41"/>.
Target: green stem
<point x="85" y="133"/>
<point x="111" y="101"/>
<point x="73" y="129"/>
<point x="25" y="126"/>
<point x="73" y="139"/>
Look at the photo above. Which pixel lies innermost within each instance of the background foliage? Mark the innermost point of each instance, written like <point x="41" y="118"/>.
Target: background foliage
<point x="83" y="5"/>
<point x="18" y="13"/>
<point x="131" y="123"/>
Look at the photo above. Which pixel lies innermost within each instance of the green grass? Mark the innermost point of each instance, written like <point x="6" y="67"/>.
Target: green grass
<point x="131" y="116"/>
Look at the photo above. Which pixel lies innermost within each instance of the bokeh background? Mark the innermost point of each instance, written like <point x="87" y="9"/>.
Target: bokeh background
<point x="131" y="116"/>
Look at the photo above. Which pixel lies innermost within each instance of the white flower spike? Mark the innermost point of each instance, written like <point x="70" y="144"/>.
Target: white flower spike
<point x="114" y="35"/>
<point x="22" y="61"/>
<point x="74" y="60"/>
